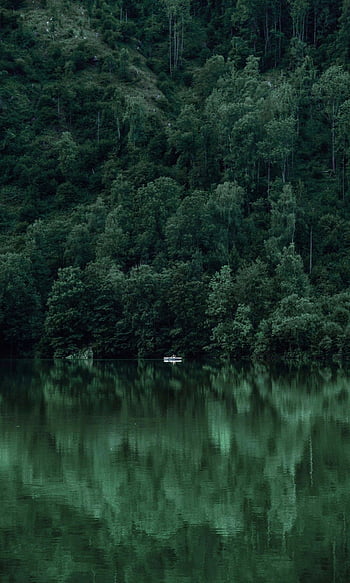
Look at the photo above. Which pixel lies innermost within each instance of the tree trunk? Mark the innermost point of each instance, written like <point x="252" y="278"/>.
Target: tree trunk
<point x="333" y="137"/>
<point x="98" y="126"/>
<point x="310" y="251"/>
<point x="311" y="462"/>
<point x="170" y="45"/>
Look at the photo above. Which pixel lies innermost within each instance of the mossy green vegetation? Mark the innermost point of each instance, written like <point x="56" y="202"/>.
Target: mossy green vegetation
<point x="175" y="177"/>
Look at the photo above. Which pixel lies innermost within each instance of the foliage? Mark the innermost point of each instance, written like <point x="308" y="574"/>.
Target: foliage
<point x="171" y="173"/>
<point x="20" y="306"/>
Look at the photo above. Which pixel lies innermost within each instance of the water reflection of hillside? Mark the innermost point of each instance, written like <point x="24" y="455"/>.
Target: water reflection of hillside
<point x="177" y="458"/>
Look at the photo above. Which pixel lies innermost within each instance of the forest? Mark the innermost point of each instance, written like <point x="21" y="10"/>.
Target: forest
<point x="175" y="177"/>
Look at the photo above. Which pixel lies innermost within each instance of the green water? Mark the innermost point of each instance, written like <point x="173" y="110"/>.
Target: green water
<point x="125" y="472"/>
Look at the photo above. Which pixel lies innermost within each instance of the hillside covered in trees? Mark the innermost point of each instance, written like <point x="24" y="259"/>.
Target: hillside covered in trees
<point x="175" y="176"/>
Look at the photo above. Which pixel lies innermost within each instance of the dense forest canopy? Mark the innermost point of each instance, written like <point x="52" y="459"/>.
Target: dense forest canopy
<point x="175" y="176"/>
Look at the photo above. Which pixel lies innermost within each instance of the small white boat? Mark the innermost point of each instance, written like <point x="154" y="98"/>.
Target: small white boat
<point x="172" y="358"/>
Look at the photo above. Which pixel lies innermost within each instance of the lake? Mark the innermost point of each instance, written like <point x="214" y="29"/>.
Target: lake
<point x="148" y="472"/>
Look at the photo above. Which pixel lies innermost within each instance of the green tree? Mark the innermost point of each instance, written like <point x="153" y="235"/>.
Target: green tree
<point x="189" y="230"/>
<point x="105" y="287"/>
<point x="206" y="77"/>
<point x="136" y="121"/>
<point x="253" y="287"/>
<point x="221" y="299"/>
<point x="177" y="13"/>
<point x="189" y="136"/>
<point x="187" y="302"/>
<point x="332" y="89"/>
<point x="343" y="32"/>
<point x="78" y="249"/>
<point x="114" y="242"/>
<point x="66" y="319"/>
<point x="290" y="275"/>
<point x="299" y="11"/>
<point x="144" y="311"/>
<point x="343" y="144"/>
<point x="237" y="109"/>
<point x="278" y="145"/>
<point x="45" y="243"/>
<point x="67" y="153"/>
<point x="226" y="206"/>
<point x="235" y="337"/>
<point x="154" y="204"/>
<point x="20" y="306"/>
<point x="283" y="220"/>
<point x="291" y="330"/>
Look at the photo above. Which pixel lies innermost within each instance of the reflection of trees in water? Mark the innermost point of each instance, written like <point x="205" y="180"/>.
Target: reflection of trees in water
<point x="217" y="469"/>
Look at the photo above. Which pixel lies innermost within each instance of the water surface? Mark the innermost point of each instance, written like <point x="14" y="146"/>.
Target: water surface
<point x="126" y="472"/>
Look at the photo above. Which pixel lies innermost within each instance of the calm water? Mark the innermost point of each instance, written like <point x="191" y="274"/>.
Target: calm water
<point x="124" y="472"/>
